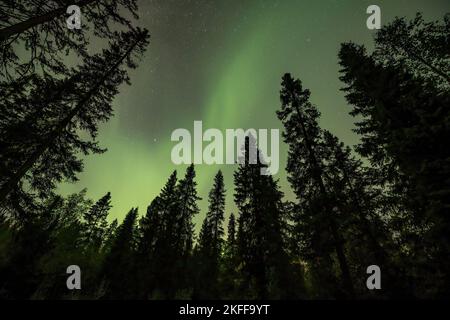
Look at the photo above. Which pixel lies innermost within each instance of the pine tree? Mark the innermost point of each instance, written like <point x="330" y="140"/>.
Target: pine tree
<point x="211" y="243"/>
<point x="39" y="27"/>
<point x="109" y="235"/>
<point x="118" y="266"/>
<point x="418" y="46"/>
<point x="95" y="222"/>
<point x="187" y="208"/>
<point x="229" y="276"/>
<point x="150" y="229"/>
<point x="165" y="253"/>
<point x="369" y="240"/>
<point x="260" y="244"/>
<point x="404" y="135"/>
<point x="67" y="248"/>
<point x="215" y="215"/>
<point x="49" y="152"/>
<point x="306" y="176"/>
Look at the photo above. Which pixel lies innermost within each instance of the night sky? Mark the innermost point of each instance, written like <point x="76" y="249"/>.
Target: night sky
<point x="221" y="62"/>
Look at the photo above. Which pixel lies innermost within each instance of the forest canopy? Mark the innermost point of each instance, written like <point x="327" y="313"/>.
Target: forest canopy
<point x="385" y="202"/>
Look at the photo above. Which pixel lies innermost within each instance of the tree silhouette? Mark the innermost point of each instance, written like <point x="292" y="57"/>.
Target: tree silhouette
<point x="95" y="223"/>
<point x="403" y="131"/>
<point x="306" y="171"/>
<point x="118" y="265"/>
<point x="40" y="27"/>
<point x="156" y="241"/>
<point x="230" y="262"/>
<point x="210" y="243"/>
<point x="385" y="205"/>
<point x="56" y="142"/>
<point x="421" y="47"/>
<point x="260" y="244"/>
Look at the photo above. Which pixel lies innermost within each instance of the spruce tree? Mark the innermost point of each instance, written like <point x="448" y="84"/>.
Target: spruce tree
<point x="95" y="222"/>
<point x="231" y="231"/>
<point x="359" y="203"/>
<point x="210" y="244"/>
<point x="150" y="228"/>
<point x="215" y="215"/>
<point x="229" y="275"/>
<point x="118" y="271"/>
<point x="306" y="175"/>
<point x="49" y="152"/>
<point x="260" y="242"/>
<point x="404" y="132"/>
<point x="109" y="235"/>
<point x="165" y="253"/>
<point x="40" y="29"/>
<point x="187" y="208"/>
<point x="420" y="47"/>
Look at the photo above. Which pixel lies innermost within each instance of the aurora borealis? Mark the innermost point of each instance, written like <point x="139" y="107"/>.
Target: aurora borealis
<point x="221" y="62"/>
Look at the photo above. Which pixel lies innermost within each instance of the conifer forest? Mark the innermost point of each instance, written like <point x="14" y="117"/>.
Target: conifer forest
<point x="363" y="187"/>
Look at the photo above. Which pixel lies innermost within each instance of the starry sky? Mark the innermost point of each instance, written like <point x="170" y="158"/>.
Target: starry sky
<point x="221" y="62"/>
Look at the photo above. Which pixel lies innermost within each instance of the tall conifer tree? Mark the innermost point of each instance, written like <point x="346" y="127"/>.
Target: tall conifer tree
<point x="306" y="175"/>
<point x="260" y="242"/>
<point x="211" y="242"/>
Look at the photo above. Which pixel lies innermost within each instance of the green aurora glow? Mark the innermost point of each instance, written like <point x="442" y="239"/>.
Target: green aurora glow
<point x="221" y="62"/>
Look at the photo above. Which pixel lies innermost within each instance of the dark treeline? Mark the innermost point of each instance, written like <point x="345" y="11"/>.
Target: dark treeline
<point x="385" y="202"/>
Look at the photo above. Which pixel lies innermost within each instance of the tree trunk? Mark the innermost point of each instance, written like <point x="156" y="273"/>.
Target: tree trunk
<point x="20" y="27"/>
<point x="338" y="241"/>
